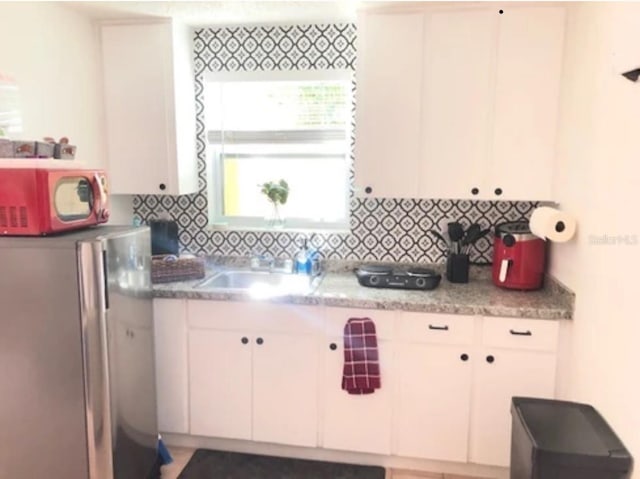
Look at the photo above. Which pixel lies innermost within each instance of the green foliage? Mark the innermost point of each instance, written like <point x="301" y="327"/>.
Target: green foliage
<point x="277" y="192"/>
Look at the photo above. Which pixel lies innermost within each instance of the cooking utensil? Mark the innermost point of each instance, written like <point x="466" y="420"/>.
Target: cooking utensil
<point x="456" y="233"/>
<point x="471" y="234"/>
<point x="480" y="235"/>
<point x="443" y="229"/>
<point x="440" y="237"/>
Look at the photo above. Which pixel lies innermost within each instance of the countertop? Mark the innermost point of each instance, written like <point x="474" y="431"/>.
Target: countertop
<point x="340" y="288"/>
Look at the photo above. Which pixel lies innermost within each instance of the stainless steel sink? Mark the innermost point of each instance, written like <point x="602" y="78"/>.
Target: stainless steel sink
<point x="261" y="282"/>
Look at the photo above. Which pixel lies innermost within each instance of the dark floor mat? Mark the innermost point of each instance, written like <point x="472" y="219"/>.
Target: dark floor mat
<point x="207" y="464"/>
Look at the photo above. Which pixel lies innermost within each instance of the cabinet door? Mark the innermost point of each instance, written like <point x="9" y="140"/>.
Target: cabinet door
<point x="136" y="387"/>
<point x="459" y="56"/>
<point x="353" y="422"/>
<point x="500" y="375"/>
<point x="529" y="68"/>
<point x="170" y="327"/>
<point x="432" y="407"/>
<point x="285" y="389"/>
<point x="220" y="383"/>
<point x="388" y="103"/>
<point x="137" y="83"/>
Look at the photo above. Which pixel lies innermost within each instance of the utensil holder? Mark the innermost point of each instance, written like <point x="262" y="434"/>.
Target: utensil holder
<point x="458" y="268"/>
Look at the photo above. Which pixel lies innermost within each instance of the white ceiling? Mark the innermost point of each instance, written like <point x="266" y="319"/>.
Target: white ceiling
<point x="223" y="13"/>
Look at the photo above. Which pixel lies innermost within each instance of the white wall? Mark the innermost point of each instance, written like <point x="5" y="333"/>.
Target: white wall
<point x="599" y="181"/>
<point x="53" y="52"/>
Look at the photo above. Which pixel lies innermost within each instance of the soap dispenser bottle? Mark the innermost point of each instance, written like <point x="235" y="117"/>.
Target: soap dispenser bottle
<point x="302" y="262"/>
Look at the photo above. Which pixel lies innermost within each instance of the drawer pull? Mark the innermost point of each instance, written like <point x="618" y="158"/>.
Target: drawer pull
<point x="439" y="328"/>
<point x="333" y="346"/>
<point x="520" y="333"/>
<point x="464" y="357"/>
<point x="490" y="359"/>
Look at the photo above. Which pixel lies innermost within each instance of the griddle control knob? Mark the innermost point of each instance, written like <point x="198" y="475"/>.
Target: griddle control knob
<point x="421" y="282"/>
<point x="374" y="280"/>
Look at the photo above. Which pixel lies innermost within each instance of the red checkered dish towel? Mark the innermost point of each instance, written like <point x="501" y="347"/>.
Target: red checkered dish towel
<point x="361" y="373"/>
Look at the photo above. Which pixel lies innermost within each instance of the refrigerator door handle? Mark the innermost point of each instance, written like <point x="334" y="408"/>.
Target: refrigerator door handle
<point x="92" y="280"/>
<point x="105" y="279"/>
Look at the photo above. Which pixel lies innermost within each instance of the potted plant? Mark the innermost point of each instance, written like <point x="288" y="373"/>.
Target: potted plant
<point x="277" y="193"/>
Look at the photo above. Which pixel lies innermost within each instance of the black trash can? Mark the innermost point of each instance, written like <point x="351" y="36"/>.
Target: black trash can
<point x="564" y="440"/>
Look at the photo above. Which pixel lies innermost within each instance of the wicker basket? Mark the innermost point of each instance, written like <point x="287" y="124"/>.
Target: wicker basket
<point x="165" y="269"/>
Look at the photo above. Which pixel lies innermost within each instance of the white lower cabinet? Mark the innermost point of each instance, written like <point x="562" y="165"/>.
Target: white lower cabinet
<point x="432" y="418"/>
<point x="354" y="422"/>
<point x="220" y="386"/>
<point x="132" y="386"/>
<point x="172" y="373"/>
<point x="501" y="374"/>
<point x="434" y="361"/>
<point x="253" y="372"/>
<point x="273" y="373"/>
<point x="285" y="389"/>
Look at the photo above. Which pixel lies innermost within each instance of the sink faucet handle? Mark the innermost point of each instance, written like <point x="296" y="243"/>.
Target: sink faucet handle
<point x="264" y="260"/>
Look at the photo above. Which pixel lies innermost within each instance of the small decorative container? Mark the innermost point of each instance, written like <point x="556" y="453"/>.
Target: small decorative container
<point x="24" y="149"/>
<point x="64" y="151"/>
<point x="6" y="148"/>
<point x="44" y="150"/>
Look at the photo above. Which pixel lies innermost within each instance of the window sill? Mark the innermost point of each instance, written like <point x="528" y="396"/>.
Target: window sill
<point x="283" y="229"/>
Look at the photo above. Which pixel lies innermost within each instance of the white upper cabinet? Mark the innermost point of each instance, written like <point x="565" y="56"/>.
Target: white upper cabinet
<point x="458" y="102"/>
<point x="458" y="57"/>
<point x="150" y="108"/>
<point x="530" y="52"/>
<point x="388" y="86"/>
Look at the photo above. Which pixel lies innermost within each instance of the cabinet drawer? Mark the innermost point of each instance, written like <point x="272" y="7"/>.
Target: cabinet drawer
<point x="436" y="328"/>
<point x="256" y="316"/>
<point x="532" y="334"/>
<point x="338" y="317"/>
<point x="209" y="314"/>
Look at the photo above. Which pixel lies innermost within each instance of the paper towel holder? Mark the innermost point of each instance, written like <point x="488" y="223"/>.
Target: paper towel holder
<point x="632" y="75"/>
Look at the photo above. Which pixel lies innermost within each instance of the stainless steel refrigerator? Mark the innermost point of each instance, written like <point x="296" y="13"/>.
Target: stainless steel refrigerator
<point x="77" y="379"/>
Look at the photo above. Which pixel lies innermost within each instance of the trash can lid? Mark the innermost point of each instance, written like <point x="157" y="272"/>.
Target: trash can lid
<point x="571" y="434"/>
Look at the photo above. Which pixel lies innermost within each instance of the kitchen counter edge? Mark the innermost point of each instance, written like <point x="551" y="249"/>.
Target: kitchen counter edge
<point x="553" y="302"/>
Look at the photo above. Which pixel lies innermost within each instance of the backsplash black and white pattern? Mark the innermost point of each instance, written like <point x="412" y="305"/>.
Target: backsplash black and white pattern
<point x="381" y="229"/>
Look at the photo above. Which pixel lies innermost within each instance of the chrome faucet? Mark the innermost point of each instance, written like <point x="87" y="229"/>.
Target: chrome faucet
<point x="261" y="262"/>
<point x="266" y="262"/>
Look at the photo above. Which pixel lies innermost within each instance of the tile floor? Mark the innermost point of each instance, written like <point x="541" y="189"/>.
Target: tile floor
<point x="180" y="458"/>
<point x="182" y="455"/>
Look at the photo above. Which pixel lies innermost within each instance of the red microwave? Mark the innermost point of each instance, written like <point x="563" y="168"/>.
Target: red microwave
<point x="41" y="201"/>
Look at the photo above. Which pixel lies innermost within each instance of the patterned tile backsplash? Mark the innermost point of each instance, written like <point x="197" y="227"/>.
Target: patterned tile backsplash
<point x="381" y="229"/>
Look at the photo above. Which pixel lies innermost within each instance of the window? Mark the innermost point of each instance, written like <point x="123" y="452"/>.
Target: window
<point x="288" y="125"/>
<point x="10" y="114"/>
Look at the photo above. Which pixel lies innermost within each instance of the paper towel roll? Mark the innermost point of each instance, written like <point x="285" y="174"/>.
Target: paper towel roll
<point x="550" y="223"/>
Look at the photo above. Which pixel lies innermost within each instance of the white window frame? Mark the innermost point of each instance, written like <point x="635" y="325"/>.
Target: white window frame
<point x="215" y="185"/>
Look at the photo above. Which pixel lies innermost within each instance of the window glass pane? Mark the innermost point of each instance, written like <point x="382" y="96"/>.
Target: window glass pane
<point x="261" y="131"/>
<point x="316" y="186"/>
<point x="281" y="105"/>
